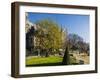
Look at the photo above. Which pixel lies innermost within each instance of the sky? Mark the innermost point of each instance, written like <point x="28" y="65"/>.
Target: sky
<point x="77" y="24"/>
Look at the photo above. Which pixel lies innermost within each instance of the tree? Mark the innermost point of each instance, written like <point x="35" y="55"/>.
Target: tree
<point x="83" y="47"/>
<point x="49" y="33"/>
<point x="73" y="40"/>
<point x="76" y="43"/>
<point x="66" y="57"/>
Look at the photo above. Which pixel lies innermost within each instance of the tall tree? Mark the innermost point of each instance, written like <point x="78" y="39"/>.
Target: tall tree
<point x="73" y="40"/>
<point x="51" y="35"/>
<point x="66" y="58"/>
<point x="77" y="43"/>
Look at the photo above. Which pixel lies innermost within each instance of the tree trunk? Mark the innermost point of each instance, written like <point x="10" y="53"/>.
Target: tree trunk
<point x="47" y="53"/>
<point x="66" y="57"/>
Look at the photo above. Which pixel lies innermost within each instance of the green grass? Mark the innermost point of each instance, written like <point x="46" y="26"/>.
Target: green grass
<point x="47" y="61"/>
<point x="43" y="60"/>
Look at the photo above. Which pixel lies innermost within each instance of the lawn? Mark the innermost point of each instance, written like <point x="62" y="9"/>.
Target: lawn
<point x="47" y="61"/>
<point x="39" y="61"/>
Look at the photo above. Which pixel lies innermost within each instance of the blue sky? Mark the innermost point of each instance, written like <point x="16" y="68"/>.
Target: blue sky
<point x="78" y="24"/>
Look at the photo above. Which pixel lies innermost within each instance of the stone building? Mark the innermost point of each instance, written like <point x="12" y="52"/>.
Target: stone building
<point x="30" y="29"/>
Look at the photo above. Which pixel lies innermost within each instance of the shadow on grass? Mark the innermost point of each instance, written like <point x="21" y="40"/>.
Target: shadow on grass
<point x="45" y="64"/>
<point x="50" y="64"/>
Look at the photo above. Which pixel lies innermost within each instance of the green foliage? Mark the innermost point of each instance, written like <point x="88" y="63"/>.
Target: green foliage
<point x="49" y="34"/>
<point x="66" y="58"/>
